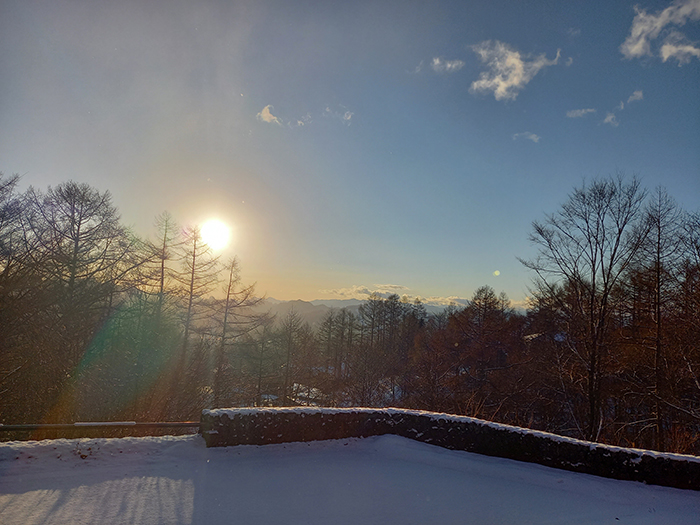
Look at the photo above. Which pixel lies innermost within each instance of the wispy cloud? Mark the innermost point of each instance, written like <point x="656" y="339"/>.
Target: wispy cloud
<point x="508" y="70"/>
<point x="527" y="135"/>
<point x="440" y="65"/>
<point x="611" y="119"/>
<point x="578" y="113"/>
<point x="647" y="28"/>
<point x="637" y="95"/>
<point x="341" y="113"/>
<point x="266" y="116"/>
<point x="300" y="122"/>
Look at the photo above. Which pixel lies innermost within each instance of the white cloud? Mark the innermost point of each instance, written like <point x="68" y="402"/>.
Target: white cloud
<point x="637" y="95"/>
<point x="440" y="65"/>
<point x="569" y="61"/>
<point x="266" y="116"/>
<point x="683" y="53"/>
<point x="646" y="28"/>
<point x="611" y="119"/>
<point x="361" y="293"/>
<point x="578" y="113"/>
<point x="444" y="301"/>
<point x="509" y="71"/>
<point x="527" y="135"/>
<point x="679" y="47"/>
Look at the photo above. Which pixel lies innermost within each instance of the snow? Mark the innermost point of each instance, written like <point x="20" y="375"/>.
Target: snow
<point x="384" y="479"/>
<point x="436" y="416"/>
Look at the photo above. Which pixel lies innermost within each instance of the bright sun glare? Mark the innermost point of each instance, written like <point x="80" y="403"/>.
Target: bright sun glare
<point x="216" y="234"/>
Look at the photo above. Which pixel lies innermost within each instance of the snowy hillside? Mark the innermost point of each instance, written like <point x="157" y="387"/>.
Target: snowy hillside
<point x="384" y="479"/>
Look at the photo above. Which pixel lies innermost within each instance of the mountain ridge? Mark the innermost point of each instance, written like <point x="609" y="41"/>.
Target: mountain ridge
<point x="313" y="312"/>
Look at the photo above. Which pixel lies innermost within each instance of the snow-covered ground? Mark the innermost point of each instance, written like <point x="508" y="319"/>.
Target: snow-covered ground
<point x="385" y="479"/>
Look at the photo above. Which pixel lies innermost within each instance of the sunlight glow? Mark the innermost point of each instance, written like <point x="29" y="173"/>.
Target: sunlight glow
<point x="216" y="234"/>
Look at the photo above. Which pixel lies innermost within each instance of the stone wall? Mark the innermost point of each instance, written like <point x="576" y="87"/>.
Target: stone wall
<point x="261" y="426"/>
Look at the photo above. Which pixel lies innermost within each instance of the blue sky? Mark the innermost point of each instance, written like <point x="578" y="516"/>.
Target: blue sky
<point x="353" y="146"/>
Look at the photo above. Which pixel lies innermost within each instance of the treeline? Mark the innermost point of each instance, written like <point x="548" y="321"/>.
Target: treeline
<point x="98" y="324"/>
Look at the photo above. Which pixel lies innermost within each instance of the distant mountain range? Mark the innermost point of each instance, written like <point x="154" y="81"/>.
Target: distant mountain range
<point x="313" y="312"/>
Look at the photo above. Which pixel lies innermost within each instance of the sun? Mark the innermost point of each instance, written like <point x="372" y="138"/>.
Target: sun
<point x="215" y="234"/>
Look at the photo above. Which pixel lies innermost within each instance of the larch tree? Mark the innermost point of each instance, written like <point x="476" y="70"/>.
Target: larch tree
<point x="236" y="319"/>
<point x="290" y="346"/>
<point x="84" y="256"/>
<point x="661" y="256"/>
<point x="197" y="278"/>
<point x="22" y="302"/>
<point x="162" y="251"/>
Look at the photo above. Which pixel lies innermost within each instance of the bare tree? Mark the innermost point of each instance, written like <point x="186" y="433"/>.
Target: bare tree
<point x="264" y="359"/>
<point x="236" y="320"/>
<point x="76" y="229"/>
<point x="198" y="278"/>
<point x="661" y="255"/>
<point x="587" y="246"/>
<point x="691" y="237"/>
<point x="22" y="300"/>
<point x="10" y="225"/>
<point x="163" y="251"/>
<point x="79" y="258"/>
<point x="290" y="345"/>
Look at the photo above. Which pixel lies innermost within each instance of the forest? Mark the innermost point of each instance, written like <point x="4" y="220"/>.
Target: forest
<point x="99" y="324"/>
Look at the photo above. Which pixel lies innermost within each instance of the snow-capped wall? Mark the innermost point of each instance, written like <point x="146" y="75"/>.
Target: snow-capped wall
<point x="260" y="426"/>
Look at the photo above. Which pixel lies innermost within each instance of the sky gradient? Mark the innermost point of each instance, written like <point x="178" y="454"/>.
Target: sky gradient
<point x="353" y="146"/>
